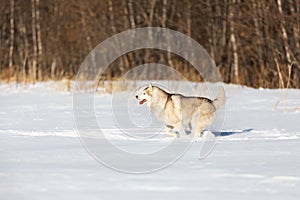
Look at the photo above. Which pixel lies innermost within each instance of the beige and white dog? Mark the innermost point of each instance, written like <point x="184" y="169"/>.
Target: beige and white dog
<point x="176" y="110"/>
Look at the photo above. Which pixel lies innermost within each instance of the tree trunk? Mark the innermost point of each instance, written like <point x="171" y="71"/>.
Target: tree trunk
<point x="34" y="42"/>
<point x="25" y="50"/>
<point x="39" y="41"/>
<point x="210" y="29"/>
<point x="87" y="38"/>
<point x="150" y="33"/>
<point x="284" y="33"/>
<point x="186" y="69"/>
<point x="257" y="9"/>
<point x="233" y="41"/>
<point x="11" y="38"/>
<point x="164" y="25"/>
<point x="131" y="14"/>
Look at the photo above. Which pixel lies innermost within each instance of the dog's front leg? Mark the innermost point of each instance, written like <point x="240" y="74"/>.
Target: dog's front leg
<point x="179" y="127"/>
<point x="190" y="126"/>
<point x="169" y="132"/>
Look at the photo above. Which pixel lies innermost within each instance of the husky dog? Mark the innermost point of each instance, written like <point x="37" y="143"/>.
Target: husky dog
<point x="176" y="110"/>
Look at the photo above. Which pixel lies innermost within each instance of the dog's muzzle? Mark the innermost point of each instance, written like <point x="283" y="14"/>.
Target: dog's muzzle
<point x="142" y="101"/>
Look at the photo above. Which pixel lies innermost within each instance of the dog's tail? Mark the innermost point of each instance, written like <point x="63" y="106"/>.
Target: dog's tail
<point x="221" y="99"/>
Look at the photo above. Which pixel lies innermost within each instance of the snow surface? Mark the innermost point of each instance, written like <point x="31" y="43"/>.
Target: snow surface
<point x="257" y="155"/>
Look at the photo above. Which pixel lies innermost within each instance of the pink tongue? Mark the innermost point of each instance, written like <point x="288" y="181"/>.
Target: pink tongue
<point x="143" y="101"/>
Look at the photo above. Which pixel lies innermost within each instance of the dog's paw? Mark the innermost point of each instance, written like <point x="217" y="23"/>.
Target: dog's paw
<point x="173" y="134"/>
<point x="208" y="135"/>
<point x="204" y="136"/>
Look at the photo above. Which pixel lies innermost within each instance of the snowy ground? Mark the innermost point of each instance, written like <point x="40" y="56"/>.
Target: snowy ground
<point x="256" y="157"/>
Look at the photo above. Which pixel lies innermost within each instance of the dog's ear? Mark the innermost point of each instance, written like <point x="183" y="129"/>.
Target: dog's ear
<point x="150" y="86"/>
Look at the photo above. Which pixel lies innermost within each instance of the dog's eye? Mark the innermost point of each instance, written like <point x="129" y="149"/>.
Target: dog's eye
<point x="144" y="93"/>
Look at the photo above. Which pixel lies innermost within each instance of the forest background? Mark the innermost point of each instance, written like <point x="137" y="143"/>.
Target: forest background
<point x="253" y="42"/>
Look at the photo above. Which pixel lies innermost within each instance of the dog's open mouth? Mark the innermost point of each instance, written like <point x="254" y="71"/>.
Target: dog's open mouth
<point x="142" y="101"/>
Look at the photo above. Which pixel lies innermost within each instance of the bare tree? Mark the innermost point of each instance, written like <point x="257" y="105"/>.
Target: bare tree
<point x="12" y="36"/>
<point x="164" y="25"/>
<point x="24" y="52"/>
<point x="34" y="42"/>
<point x="131" y="14"/>
<point x="284" y="33"/>
<point x="233" y="41"/>
<point x="39" y="40"/>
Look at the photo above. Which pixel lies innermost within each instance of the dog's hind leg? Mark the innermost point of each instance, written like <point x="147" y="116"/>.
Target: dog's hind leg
<point x="195" y="125"/>
<point x="201" y="122"/>
<point x="179" y="127"/>
<point x="198" y="131"/>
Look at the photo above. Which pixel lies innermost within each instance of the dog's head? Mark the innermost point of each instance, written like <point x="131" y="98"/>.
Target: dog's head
<point x="145" y="96"/>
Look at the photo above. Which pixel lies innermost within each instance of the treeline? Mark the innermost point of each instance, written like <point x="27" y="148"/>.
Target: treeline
<point x="253" y="42"/>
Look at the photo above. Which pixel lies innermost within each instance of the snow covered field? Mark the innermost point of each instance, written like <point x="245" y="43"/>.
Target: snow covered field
<point x="257" y="155"/>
